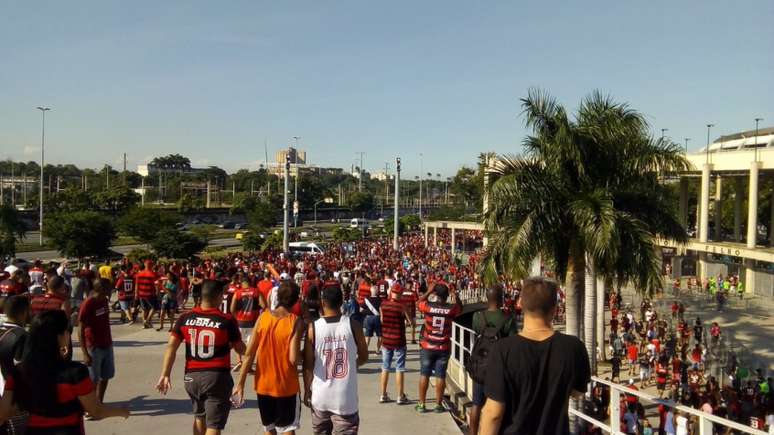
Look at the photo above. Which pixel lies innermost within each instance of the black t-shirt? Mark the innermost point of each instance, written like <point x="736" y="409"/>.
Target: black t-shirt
<point x="534" y="380"/>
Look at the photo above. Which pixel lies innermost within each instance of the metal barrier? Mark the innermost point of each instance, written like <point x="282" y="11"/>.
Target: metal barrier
<point x="472" y="296"/>
<point x="462" y="343"/>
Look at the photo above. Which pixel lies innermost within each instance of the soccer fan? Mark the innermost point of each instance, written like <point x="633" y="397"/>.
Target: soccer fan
<point x="37" y="278"/>
<point x="209" y="335"/>
<point x="146" y="292"/>
<point x="537" y="363"/>
<point x="334" y="348"/>
<point x="275" y="345"/>
<point x="169" y="301"/>
<point x="436" y="341"/>
<point x="55" y="298"/>
<point x="393" y="319"/>
<point x="52" y="389"/>
<point x="246" y="306"/>
<point x="125" y="289"/>
<point x="408" y="297"/>
<point x="12" y="286"/>
<point x="372" y="322"/>
<point x="95" y="337"/>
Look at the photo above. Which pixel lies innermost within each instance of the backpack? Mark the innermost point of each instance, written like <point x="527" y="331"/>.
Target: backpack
<point x="477" y="360"/>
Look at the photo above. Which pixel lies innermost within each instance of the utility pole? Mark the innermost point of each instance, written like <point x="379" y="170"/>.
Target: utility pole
<point x="43" y="110"/>
<point x="285" y="206"/>
<point x="386" y="183"/>
<point x="421" y="174"/>
<point x="360" y="173"/>
<point x="397" y="197"/>
<point x="142" y="197"/>
<point x="707" y="150"/>
<point x="107" y="177"/>
<point x="124" y="173"/>
<point x="13" y="188"/>
<point x="757" y="120"/>
<point x="686" y="145"/>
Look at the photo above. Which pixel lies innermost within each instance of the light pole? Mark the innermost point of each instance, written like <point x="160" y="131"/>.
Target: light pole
<point x="43" y="111"/>
<point x="295" y="189"/>
<point x="327" y="200"/>
<point x="421" y="168"/>
<point x="757" y="120"/>
<point x="709" y="126"/>
<point x="360" y="173"/>
<point x="686" y="145"/>
<point x="285" y="206"/>
<point x="663" y="130"/>
<point x="397" y="195"/>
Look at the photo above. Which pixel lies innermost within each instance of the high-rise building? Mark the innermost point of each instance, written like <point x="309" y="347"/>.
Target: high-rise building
<point x="296" y="156"/>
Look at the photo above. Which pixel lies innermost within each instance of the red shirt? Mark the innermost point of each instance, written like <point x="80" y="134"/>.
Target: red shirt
<point x="125" y="287"/>
<point x="363" y="291"/>
<point x="10" y="288"/>
<point x="145" y="282"/>
<point x="264" y="287"/>
<point x="393" y="325"/>
<point x="46" y="302"/>
<point x="631" y="352"/>
<point x="209" y="335"/>
<point x="247" y="309"/>
<point x="436" y="335"/>
<point x="94" y="318"/>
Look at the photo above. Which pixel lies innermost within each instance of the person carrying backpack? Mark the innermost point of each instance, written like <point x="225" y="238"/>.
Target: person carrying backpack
<point x="489" y="325"/>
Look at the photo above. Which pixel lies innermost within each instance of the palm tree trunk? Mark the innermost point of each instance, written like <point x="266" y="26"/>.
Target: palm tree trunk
<point x="589" y="313"/>
<point x="573" y="292"/>
<point x="602" y="286"/>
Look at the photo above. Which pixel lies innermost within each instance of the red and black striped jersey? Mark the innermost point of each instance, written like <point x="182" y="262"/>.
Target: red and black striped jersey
<point x="436" y="335"/>
<point x="72" y="381"/>
<point x="393" y="325"/>
<point x="248" y="308"/>
<point x="208" y="334"/>
<point x="46" y="302"/>
<point x="146" y="283"/>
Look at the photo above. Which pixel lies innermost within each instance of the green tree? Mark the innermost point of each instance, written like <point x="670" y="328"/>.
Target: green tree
<point x="12" y="230"/>
<point x="410" y="221"/>
<point x="203" y="231"/>
<point x="144" y="224"/>
<point x="586" y="188"/>
<point x="173" y="243"/>
<point x="361" y="202"/>
<point x="80" y="234"/>
<point x="117" y="200"/>
<point x="346" y="234"/>
<point x="273" y="242"/>
<point x="465" y="186"/>
<point x="252" y="242"/>
<point x="261" y="216"/>
<point x="189" y="203"/>
<point x="70" y="200"/>
<point x="172" y="161"/>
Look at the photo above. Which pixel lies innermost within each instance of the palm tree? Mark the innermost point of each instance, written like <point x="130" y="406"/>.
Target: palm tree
<point x="586" y="187"/>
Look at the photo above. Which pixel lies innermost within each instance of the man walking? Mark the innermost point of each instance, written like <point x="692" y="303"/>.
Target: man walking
<point x="209" y="335"/>
<point x="335" y="347"/>
<point x="147" y="294"/>
<point x="393" y="318"/>
<point x="95" y="338"/>
<point x="436" y="341"/>
<point x="531" y="376"/>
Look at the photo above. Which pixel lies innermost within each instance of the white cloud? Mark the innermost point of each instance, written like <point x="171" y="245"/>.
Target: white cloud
<point x="31" y="149"/>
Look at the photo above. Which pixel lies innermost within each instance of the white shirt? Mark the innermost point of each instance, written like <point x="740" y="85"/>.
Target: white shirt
<point x="334" y="387"/>
<point x="682" y="425"/>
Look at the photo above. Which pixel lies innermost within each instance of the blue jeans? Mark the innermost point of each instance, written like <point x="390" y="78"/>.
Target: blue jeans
<point x="400" y="359"/>
<point x="433" y="363"/>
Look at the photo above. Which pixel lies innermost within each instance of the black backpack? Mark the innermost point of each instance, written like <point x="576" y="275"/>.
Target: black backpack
<point x="477" y="360"/>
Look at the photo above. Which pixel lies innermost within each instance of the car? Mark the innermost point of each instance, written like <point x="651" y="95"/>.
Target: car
<point x="239" y="226"/>
<point x="302" y="248"/>
<point x="303" y="234"/>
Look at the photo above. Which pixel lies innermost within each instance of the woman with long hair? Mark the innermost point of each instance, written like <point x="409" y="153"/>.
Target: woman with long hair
<point x="54" y="391"/>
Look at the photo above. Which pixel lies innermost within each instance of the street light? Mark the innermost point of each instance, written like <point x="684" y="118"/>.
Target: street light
<point x="421" y="170"/>
<point x="686" y="145"/>
<point x="43" y="111"/>
<point x="397" y="195"/>
<point x="757" y="120"/>
<point x="663" y="130"/>
<point x="709" y="126"/>
<point x="328" y="200"/>
<point x="285" y="206"/>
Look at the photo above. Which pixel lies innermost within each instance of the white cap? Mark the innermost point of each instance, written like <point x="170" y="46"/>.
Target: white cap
<point x="283" y="275"/>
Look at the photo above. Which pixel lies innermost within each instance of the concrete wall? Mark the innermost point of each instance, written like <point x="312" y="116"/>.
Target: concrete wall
<point x="764" y="284"/>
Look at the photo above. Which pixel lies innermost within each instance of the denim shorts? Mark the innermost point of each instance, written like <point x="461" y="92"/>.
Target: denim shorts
<point x="373" y="326"/>
<point x="433" y="363"/>
<point x="400" y="359"/>
<point x="103" y="366"/>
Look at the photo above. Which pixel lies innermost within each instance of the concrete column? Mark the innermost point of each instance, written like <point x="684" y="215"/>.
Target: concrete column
<point x="701" y="265"/>
<point x="426" y="231"/>
<point x="771" y="220"/>
<point x="738" y="209"/>
<point x="435" y="236"/>
<point x="704" y="203"/>
<point x="683" y="212"/>
<point x="749" y="277"/>
<point x="453" y="241"/>
<point x="718" y="207"/>
<point x="752" y="205"/>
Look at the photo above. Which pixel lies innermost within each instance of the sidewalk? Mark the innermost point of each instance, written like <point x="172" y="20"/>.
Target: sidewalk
<point x="139" y="354"/>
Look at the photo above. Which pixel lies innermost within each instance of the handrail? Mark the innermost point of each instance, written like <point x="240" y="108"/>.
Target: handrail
<point x="460" y="350"/>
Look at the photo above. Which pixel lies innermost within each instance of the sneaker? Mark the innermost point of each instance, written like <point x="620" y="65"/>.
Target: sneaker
<point x="439" y="408"/>
<point x="384" y="399"/>
<point x="402" y="400"/>
<point x="420" y="408"/>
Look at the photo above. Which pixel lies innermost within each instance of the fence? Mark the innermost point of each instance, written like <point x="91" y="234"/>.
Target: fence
<point x="462" y="343"/>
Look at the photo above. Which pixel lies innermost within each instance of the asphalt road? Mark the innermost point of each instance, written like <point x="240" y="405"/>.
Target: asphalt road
<point x="54" y="255"/>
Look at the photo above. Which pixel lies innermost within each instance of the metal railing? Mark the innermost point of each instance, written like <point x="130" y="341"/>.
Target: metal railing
<point x="463" y="339"/>
<point x="472" y="296"/>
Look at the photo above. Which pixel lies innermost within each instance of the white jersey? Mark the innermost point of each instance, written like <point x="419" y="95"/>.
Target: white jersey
<point x="334" y="388"/>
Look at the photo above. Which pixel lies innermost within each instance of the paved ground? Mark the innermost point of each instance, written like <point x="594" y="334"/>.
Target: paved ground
<point x="52" y="255"/>
<point x="138" y="358"/>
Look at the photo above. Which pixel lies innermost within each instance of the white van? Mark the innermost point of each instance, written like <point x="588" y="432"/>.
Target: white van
<point x="358" y="223"/>
<point x="305" y="248"/>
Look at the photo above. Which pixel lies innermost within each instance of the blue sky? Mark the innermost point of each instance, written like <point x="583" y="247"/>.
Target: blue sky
<point x="213" y="80"/>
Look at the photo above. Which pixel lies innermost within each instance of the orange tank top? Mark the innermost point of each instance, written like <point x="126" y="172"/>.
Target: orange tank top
<point x="275" y="375"/>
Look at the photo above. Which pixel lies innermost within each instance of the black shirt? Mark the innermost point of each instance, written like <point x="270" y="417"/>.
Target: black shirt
<point x="534" y="380"/>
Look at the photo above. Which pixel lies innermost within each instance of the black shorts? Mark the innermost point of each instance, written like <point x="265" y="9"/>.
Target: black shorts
<point x="279" y="413"/>
<point x="210" y="393"/>
<point x="151" y="303"/>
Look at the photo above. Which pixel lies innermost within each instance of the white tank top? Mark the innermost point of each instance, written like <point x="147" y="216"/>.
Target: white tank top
<point x="334" y="388"/>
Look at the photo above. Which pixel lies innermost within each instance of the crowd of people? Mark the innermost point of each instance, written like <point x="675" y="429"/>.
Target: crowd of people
<point x="686" y="361"/>
<point x="268" y="314"/>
